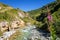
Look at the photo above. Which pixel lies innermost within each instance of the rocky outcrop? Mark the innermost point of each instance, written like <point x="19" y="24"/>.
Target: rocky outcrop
<point x="0" y="7"/>
<point x="21" y="14"/>
<point x="17" y="24"/>
<point x="4" y="25"/>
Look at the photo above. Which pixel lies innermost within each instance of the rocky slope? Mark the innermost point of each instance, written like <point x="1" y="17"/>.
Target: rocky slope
<point x="11" y="18"/>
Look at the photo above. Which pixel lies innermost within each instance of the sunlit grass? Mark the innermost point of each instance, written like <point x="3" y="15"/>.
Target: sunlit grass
<point x="14" y="36"/>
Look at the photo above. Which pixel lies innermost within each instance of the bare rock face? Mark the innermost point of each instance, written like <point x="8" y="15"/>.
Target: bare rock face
<point x="17" y="24"/>
<point x="22" y="23"/>
<point x="14" y="24"/>
<point x="21" y="14"/>
<point x="4" y="25"/>
<point x="0" y="7"/>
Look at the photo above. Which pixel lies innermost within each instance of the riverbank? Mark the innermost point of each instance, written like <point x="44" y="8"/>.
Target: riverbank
<point x="30" y="32"/>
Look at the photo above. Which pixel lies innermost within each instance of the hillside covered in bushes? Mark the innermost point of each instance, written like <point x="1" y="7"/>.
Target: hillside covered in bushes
<point x="40" y="15"/>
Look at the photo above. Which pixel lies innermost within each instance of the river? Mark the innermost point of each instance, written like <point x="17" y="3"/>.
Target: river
<point x="31" y="33"/>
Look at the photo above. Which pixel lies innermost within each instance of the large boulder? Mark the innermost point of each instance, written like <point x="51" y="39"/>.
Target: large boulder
<point x="17" y="24"/>
<point x="4" y="25"/>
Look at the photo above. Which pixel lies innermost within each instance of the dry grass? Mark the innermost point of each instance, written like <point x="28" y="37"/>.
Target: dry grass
<point x="14" y="36"/>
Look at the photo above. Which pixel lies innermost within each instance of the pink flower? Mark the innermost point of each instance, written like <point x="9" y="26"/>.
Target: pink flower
<point x="49" y="17"/>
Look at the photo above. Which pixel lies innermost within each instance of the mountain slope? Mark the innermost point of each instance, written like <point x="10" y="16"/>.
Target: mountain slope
<point x="13" y="17"/>
<point x="43" y="9"/>
<point x="9" y="13"/>
<point x="40" y="15"/>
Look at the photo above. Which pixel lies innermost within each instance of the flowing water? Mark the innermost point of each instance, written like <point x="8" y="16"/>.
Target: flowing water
<point x="26" y="32"/>
<point x="31" y="33"/>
